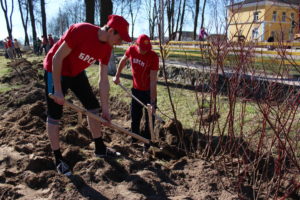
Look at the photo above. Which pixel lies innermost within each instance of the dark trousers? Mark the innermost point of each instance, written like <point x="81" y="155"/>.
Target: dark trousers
<point x="137" y="113"/>
<point x="79" y="85"/>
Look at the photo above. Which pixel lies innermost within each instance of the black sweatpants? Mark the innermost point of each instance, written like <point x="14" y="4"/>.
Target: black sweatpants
<point x="79" y="85"/>
<point x="137" y="113"/>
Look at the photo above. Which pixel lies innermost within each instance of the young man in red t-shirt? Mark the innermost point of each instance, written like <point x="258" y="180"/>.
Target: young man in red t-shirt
<point x="144" y="67"/>
<point x="81" y="46"/>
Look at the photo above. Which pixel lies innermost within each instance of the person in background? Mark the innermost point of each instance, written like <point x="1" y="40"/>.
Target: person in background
<point x="202" y="34"/>
<point x="44" y="44"/>
<point x="144" y="66"/>
<point x="6" y="48"/>
<point x="51" y="41"/>
<point x="81" y="46"/>
<point x="10" y="48"/>
<point x="17" y="48"/>
<point x="271" y="40"/>
<point x="37" y="46"/>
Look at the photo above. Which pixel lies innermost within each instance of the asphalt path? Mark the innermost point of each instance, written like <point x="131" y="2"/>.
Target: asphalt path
<point x="229" y="73"/>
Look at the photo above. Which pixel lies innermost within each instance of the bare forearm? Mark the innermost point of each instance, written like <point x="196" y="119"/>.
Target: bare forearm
<point x="56" y="74"/>
<point x="121" y="67"/>
<point x="153" y="93"/>
<point x="153" y="86"/>
<point x="104" y="94"/>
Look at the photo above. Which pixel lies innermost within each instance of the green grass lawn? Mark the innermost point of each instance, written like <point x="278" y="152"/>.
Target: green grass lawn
<point x="184" y="100"/>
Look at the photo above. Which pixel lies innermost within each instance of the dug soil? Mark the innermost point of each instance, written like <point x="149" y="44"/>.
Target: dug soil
<point x="27" y="168"/>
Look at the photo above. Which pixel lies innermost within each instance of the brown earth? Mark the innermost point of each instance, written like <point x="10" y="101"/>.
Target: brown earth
<point x="26" y="162"/>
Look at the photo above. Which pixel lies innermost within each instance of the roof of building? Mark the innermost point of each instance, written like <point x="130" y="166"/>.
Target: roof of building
<point x="297" y="2"/>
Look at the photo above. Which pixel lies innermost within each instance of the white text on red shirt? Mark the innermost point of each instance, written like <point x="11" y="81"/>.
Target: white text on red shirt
<point x="87" y="58"/>
<point x="138" y="61"/>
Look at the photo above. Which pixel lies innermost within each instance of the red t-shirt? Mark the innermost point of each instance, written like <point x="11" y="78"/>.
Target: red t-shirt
<point x="82" y="38"/>
<point x="51" y="41"/>
<point x="9" y="43"/>
<point x="141" y="66"/>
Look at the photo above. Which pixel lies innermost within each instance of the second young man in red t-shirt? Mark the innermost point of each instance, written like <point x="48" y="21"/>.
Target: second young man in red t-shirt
<point x="144" y="66"/>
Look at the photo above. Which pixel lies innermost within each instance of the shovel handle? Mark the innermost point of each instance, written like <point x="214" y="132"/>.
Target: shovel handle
<point x="100" y="119"/>
<point x="128" y="92"/>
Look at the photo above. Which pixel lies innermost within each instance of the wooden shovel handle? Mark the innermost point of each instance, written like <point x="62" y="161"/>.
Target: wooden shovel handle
<point x="100" y="119"/>
<point x="129" y="93"/>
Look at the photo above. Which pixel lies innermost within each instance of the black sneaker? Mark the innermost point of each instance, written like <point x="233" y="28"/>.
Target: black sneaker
<point x="63" y="168"/>
<point x="109" y="152"/>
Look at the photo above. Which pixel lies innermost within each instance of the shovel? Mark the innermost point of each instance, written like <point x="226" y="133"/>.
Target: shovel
<point x="129" y="93"/>
<point x="111" y="124"/>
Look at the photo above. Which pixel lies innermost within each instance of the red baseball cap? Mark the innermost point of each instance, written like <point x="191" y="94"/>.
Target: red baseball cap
<point x="119" y="24"/>
<point x="144" y="43"/>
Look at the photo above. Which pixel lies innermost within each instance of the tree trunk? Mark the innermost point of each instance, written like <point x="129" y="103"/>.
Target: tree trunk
<point x="178" y="19"/>
<point x="181" y="21"/>
<point x="152" y="17"/>
<point x="44" y="21"/>
<point x="30" y="6"/>
<point x="24" y="21"/>
<point x="8" y="19"/>
<point x="106" y="10"/>
<point x="170" y="13"/>
<point x="90" y="11"/>
<point x="197" y="7"/>
<point x="203" y="13"/>
<point x="133" y="13"/>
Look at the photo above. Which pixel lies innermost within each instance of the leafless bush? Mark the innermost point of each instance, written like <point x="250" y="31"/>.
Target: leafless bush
<point x="259" y="148"/>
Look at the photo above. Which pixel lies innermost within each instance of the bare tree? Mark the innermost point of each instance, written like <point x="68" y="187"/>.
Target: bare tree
<point x="219" y="13"/>
<point x="70" y="13"/>
<point x="24" y="5"/>
<point x="182" y="19"/>
<point x="8" y="20"/>
<point x="134" y="7"/>
<point x="120" y="7"/>
<point x="32" y="19"/>
<point x="106" y="10"/>
<point x="197" y="8"/>
<point x="44" y="21"/>
<point x="170" y="15"/>
<point x="90" y="11"/>
<point x="152" y="16"/>
<point x="178" y="17"/>
<point x="203" y="13"/>
<point x="75" y="12"/>
<point x="60" y="24"/>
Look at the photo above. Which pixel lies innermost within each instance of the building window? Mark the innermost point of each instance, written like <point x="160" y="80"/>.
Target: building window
<point x="255" y="16"/>
<point x="255" y="33"/>
<point x="283" y="17"/>
<point x="274" y="16"/>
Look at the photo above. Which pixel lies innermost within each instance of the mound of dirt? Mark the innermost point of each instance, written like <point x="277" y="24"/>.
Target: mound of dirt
<point x="26" y="162"/>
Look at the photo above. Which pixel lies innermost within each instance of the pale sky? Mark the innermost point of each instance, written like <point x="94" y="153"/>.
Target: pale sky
<point x="52" y="7"/>
<point x="17" y="29"/>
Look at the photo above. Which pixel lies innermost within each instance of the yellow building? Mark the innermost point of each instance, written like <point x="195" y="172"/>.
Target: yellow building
<point x="257" y="20"/>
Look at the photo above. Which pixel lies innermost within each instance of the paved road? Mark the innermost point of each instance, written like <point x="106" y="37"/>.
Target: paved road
<point x="229" y="73"/>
